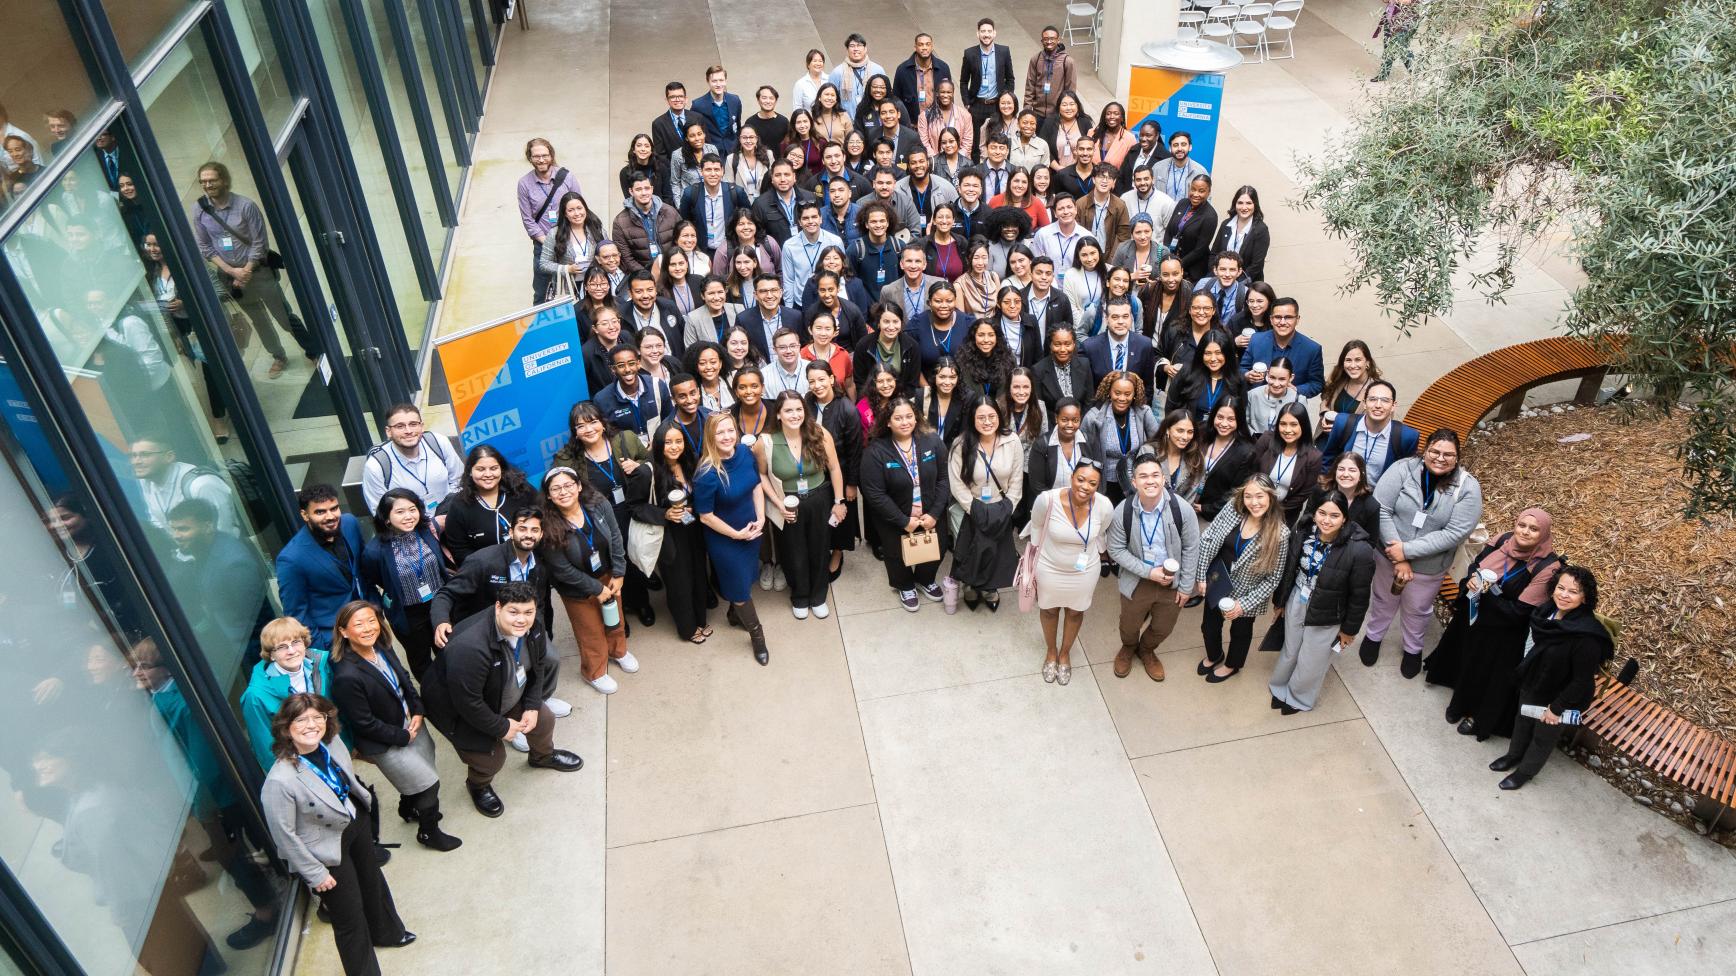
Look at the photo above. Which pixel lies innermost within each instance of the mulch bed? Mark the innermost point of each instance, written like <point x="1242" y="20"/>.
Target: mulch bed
<point x="1617" y="499"/>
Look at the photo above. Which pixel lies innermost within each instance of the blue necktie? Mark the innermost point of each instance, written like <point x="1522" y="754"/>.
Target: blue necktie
<point x="1120" y="357"/>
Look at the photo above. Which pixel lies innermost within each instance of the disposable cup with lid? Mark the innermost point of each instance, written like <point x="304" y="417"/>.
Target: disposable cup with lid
<point x="1171" y="566"/>
<point x="1226" y="604"/>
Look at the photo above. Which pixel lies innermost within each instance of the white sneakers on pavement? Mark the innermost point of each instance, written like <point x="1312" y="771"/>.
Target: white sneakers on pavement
<point x="627" y="662"/>
<point x="558" y="707"/>
<point x="519" y="742"/>
<point x="605" y="684"/>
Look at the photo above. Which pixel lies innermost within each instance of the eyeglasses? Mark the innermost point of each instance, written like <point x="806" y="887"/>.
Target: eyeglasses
<point x="310" y="721"/>
<point x="1442" y="455"/>
<point x="626" y="364"/>
<point x="1283" y="318"/>
<point x="145" y="454"/>
<point x="405" y="425"/>
<point x="288" y="645"/>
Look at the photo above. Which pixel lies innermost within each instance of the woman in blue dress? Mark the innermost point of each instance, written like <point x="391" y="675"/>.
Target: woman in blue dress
<point x="726" y="495"/>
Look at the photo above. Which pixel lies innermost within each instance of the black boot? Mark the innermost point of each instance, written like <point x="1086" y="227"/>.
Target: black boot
<point x="1370" y="652"/>
<point x="749" y="617"/>
<point x="428" y="832"/>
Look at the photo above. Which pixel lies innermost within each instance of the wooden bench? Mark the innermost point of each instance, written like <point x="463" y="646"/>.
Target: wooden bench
<point x="1664" y="742"/>
<point x="1500" y="379"/>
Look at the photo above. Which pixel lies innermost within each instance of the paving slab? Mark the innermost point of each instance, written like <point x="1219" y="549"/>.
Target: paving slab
<point x="1694" y="942"/>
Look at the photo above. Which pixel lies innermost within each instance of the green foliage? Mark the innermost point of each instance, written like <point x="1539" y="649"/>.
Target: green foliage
<point x="1617" y="117"/>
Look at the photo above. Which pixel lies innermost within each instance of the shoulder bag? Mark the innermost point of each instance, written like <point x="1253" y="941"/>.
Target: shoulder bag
<point x="1025" y="577"/>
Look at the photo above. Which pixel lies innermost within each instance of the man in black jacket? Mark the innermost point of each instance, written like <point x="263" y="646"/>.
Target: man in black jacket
<point x="474" y="587"/>
<point x="978" y="89"/>
<point x="486" y="688"/>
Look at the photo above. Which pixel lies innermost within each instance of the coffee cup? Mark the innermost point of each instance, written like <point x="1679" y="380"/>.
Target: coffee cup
<point x="1171" y="567"/>
<point x="1259" y="367"/>
<point x="677" y="496"/>
<point x="790" y="503"/>
<point x="747" y="440"/>
<point x="1488" y="576"/>
<point x="1248" y="333"/>
<point x="1226" y="604"/>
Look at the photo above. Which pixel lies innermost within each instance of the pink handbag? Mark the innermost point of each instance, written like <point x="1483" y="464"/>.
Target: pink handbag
<point x="1025" y="577"/>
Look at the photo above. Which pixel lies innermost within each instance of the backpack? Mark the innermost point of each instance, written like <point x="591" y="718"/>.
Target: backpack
<point x="1127" y="507"/>
<point x="243" y="514"/>
<point x="430" y="440"/>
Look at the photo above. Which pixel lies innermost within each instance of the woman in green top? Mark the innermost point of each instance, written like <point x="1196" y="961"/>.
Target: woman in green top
<point x="798" y="459"/>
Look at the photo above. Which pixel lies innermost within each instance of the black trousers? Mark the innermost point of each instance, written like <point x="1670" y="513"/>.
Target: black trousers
<point x="899" y="576"/>
<point x="1241" y="636"/>
<point x="805" y="548"/>
<point x="686" y="576"/>
<point x="360" y="904"/>
<point x="419" y="641"/>
<point x="1532" y="743"/>
<point x="980" y="113"/>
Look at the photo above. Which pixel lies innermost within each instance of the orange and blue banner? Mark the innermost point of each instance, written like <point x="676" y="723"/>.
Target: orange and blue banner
<point x="512" y="381"/>
<point x="1179" y="101"/>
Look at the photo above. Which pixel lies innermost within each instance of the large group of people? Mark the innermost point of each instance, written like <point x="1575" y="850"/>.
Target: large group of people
<point x="1002" y="344"/>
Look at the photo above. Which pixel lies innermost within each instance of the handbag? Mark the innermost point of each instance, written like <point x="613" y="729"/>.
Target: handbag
<point x="644" y="545"/>
<point x="919" y="547"/>
<point x="560" y="288"/>
<point x="1025" y="577"/>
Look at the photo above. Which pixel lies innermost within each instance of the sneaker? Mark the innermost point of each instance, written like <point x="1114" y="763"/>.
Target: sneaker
<point x="627" y="662"/>
<point x="931" y="591"/>
<point x="800" y="612"/>
<point x="559" y="708"/>
<point x="519" y="742"/>
<point x="766" y="576"/>
<point x="908" y="599"/>
<point x="822" y="611"/>
<point x="778" y="581"/>
<point x="604" y="684"/>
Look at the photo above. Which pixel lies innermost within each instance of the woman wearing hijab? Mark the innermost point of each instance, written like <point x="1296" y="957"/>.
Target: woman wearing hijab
<point x="1558" y="673"/>
<point x="1480" y="650"/>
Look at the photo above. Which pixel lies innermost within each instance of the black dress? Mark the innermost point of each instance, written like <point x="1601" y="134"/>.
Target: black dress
<point x="681" y="563"/>
<point x="1480" y="661"/>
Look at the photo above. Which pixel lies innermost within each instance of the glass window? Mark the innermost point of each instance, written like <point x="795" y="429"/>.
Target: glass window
<point x="194" y="128"/>
<point x="128" y="829"/>
<point x="467" y="14"/>
<point x="421" y="40"/>
<point x="263" y="65"/>
<point x="138" y="23"/>
<point x="44" y="91"/>
<point x="399" y="78"/>
<point x="364" y="139"/>
<point x="110" y="298"/>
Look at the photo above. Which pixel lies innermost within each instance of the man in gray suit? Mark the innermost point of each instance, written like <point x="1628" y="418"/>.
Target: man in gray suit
<point x="910" y="292"/>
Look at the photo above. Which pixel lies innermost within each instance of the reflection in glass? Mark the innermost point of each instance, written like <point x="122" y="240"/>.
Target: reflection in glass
<point x="259" y="58"/>
<point x="44" y="89"/>
<point x="364" y="134"/>
<point x="138" y="23"/>
<point x="398" y="77"/>
<point x="126" y="831"/>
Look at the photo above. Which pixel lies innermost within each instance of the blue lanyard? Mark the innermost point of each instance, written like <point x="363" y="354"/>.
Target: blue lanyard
<point x="421" y="479"/>
<point x="912" y="300"/>
<point x="499" y="517"/>
<point x="608" y="472"/>
<point x="332" y="780"/>
<point x="1213" y="392"/>
<point x="1241" y="542"/>
<point x="519" y="572"/>
<point x="1149" y="536"/>
<point x="590" y="537"/>
<point x="1429" y="486"/>
<point x="940" y="262"/>
<point x="385" y="668"/>
<point x="1121" y="431"/>
<point x="687" y="432"/>
<point x="944" y="347"/>
<point x="910" y="468"/>
<point x="1280" y="470"/>
<point x="421" y="551"/>
<point x="633" y="404"/>
<point x="1321" y="551"/>
<point x="1515" y="571"/>
<point x="1085" y="536"/>
<point x="789" y="210"/>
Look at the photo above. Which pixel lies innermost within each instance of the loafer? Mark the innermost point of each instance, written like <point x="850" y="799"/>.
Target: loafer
<point x="1049" y="669"/>
<point x="1468" y="727"/>
<point x="627" y="662"/>
<point x="486" y="801"/>
<point x="907" y="600"/>
<point x="1503" y="764"/>
<point x="403" y="940"/>
<point x="1514" y="781"/>
<point x="1193" y="601"/>
<point x="1410" y="665"/>
<point x="1063" y="674"/>
<point x="558" y="707"/>
<point x="1215" y="677"/>
<point x="821" y="610"/>
<point x="559" y="760"/>
<point x="647" y="616"/>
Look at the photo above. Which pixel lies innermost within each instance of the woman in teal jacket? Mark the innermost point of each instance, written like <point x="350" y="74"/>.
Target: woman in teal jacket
<point x="290" y="663"/>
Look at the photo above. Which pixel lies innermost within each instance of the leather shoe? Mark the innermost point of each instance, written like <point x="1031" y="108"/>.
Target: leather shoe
<point x="1153" y="666"/>
<point x="1503" y="764"/>
<point x="647" y="616"/>
<point x="487" y="801"/>
<point x="383" y="853"/>
<point x="1215" y="677"/>
<point x="407" y="938"/>
<point x="1453" y="715"/>
<point x="559" y="759"/>
<point x="1514" y="781"/>
<point x="1287" y="709"/>
<point x="1370" y="652"/>
<point x="1468" y="727"/>
<point x="1123" y="661"/>
<point x="1277" y="702"/>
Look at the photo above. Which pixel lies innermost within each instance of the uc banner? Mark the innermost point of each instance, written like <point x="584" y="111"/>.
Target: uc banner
<point x="1179" y="101"/>
<point x="512" y="381"/>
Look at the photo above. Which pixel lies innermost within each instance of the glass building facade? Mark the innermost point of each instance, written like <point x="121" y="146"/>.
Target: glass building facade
<point x="222" y="230"/>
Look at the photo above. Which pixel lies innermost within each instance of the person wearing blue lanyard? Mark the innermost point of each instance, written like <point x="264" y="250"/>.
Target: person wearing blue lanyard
<point x="1480" y="651"/>
<point x="612" y="463"/>
<point x="382" y="713"/>
<point x="411" y="457"/>
<point x="1288" y="456"/>
<point x="402" y="567"/>
<point x="1321" y="599"/>
<point x="1240" y="562"/>
<point x="317" y="812"/>
<point x="479" y="514"/>
<point x="1154" y="543"/>
<point x="319" y="570"/>
<point x="1070" y="527"/>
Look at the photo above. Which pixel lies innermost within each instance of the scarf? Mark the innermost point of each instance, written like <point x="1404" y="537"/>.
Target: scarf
<point x="1510" y="555"/>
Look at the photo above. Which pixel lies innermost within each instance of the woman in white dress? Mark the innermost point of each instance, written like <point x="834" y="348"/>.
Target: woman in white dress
<point x="1071" y="528"/>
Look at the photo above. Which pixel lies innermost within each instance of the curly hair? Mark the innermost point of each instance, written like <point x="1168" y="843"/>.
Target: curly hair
<point x="1108" y="383"/>
<point x="990" y="373"/>
<point x="512" y="480"/>
<point x="293" y="707"/>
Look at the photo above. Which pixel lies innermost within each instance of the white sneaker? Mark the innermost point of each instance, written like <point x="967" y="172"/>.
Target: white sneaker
<point x="822" y="611"/>
<point x="519" y="742"/>
<point x="800" y="612"/>
<point x="628" y="662"/>
<point x="558" y="707"/>
<point x="604" y="684"/>
<point x="766" y="576"/>
<point x="778" y="581"/>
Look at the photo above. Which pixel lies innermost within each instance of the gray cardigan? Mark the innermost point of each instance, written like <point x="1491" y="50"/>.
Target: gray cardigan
<point x="1181" y="540"/>
<point x="306" y="818"/>
<point x="1457" y="508"/>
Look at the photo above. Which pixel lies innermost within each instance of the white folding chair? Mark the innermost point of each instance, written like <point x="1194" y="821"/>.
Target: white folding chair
<point x="1281" y="29"/>
<point x="1191" y="18"/>
<point x="1250" y="30"/>
<point x="1081" y="21"/>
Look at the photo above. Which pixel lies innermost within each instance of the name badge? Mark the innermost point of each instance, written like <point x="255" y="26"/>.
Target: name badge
<point x="425" y="591"/>
<point x="1418" y="520"/>
<point x="68" y="599"/>
<point x="596" y="560"/>
<point x="986" y="494"/>
<point x="520" y="676"/>
<point x="922" y="96"/>
<point x="801" y="486"/>
<point x="1083" y="563"/>
<point x="619" y="494"/>
<point x="1045" y="88"/>
<point x="880" y="276"/>
<point x="655" y="250"/>
<point x="228" y="242"/>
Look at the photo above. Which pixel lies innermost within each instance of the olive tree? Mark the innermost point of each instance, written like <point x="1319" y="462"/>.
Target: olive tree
<point x="1615" y="119"/>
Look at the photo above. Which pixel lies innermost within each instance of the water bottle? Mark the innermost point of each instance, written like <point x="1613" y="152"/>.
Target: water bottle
<point x="1569" y="717"/>
<point x="612" y="614"/>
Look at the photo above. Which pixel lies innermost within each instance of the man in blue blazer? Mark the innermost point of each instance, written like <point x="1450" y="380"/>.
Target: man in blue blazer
<point x="319" y="570"/>
<point x="719" y="111"/>
<point x="1374" y="434"/>
<point x="711" y="205"/>
<point x="1284" y="340"/>
<point x="763" y="319"/>
<point x="1118" y="347"/>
